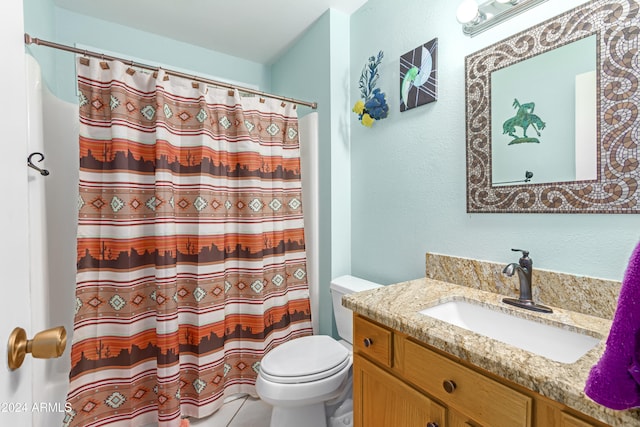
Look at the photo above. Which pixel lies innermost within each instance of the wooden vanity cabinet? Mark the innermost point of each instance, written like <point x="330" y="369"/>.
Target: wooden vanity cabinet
<point x="398" y="381"/>
<point x="384" y="400"/>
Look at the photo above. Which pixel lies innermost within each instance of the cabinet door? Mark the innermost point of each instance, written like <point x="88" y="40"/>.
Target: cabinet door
<point x="381" y="400"/>
<point x="568" y="420"/>
<point x="457" y="419"/>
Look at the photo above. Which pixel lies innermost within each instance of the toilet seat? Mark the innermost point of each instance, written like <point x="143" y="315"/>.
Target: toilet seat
<point x="305" y="359"/>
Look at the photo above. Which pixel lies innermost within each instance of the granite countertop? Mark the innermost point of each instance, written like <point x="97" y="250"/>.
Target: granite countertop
<point x="397" y="306"/>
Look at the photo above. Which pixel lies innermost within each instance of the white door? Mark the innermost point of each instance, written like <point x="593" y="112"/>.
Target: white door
<point x="15" y="386"/>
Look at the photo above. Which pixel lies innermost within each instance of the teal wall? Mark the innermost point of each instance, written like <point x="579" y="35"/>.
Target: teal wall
<point x="62" y="26"/>
<point x="408" y="180"/>
<point x="39" y="21"/>
<point x="395" y="191"/>
<point x="317" y="68"/>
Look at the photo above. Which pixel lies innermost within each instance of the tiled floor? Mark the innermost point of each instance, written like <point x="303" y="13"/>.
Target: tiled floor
<point x="243" y="412"/>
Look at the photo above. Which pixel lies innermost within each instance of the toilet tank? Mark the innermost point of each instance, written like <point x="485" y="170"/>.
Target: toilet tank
<point x="344" y="285"/>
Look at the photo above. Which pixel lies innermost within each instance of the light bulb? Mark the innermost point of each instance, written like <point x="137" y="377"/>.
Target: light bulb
<point x="467" y="11"/>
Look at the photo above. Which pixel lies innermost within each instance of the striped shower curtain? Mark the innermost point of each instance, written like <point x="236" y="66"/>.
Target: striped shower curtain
<point x="191" y="256"/>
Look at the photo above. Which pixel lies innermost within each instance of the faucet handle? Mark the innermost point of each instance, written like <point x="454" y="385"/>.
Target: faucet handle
<point x="524" y="261"/>
<point x="525" y="253"/>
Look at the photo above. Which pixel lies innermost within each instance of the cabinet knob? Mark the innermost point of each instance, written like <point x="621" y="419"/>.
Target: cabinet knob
<point x="432" y="424"/>
<point x="449" y="386"/>
<point x="368" y="342"/>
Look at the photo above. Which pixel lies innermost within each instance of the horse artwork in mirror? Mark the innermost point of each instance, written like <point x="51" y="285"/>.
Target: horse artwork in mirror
<point x="552" y="115"/>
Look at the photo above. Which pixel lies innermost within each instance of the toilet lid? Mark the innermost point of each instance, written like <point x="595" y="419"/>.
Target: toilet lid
<point x="305" y="359"/>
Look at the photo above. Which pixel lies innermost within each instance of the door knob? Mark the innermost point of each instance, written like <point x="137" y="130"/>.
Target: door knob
<point x="45" y="345"/>
<point x="368" y="342"/>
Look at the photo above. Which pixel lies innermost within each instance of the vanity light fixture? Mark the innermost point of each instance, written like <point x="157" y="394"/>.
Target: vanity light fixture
<point x="477" y="17"/>
<point x="468" y="13"/>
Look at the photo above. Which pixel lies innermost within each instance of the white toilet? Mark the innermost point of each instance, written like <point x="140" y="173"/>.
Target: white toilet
<point x="299" y="378"/>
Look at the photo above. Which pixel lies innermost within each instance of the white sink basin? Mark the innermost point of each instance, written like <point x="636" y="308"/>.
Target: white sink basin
<point x="545" y="340"/>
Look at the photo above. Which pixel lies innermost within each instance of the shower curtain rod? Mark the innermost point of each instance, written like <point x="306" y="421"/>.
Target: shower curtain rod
<point x="34" y="40"/>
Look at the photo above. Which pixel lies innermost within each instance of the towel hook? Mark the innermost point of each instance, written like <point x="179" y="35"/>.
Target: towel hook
<point x="43" y="172"/>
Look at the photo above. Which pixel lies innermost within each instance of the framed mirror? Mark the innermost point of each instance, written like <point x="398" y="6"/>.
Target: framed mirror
<point x="552" y="115"/>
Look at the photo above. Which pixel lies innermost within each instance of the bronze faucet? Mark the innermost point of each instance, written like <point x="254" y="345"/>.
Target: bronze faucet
<point x="524" y="267"/>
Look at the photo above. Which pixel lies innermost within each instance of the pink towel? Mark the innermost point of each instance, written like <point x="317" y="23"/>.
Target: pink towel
<point x="614" y="381"/>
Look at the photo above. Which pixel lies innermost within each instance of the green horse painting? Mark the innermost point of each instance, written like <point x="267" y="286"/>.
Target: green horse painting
<point x="523" y="119"/>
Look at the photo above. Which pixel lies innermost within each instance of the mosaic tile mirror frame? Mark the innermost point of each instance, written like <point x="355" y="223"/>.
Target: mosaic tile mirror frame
<point x="616" y="24"/>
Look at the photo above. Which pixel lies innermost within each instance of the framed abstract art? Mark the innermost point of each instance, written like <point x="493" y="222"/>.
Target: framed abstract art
<point x="419" y="76"/>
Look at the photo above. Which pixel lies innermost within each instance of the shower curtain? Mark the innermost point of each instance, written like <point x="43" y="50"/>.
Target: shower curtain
<point x="191" y="258"/>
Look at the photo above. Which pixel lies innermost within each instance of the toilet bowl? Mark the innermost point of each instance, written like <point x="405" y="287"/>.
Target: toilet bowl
<point x="301" y="377"/>
<point x="319" y="369"/>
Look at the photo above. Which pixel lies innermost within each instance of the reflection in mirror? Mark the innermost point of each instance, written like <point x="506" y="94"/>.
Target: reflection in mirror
<point x="509" y="90"/>
<point x="543" y="117"/>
